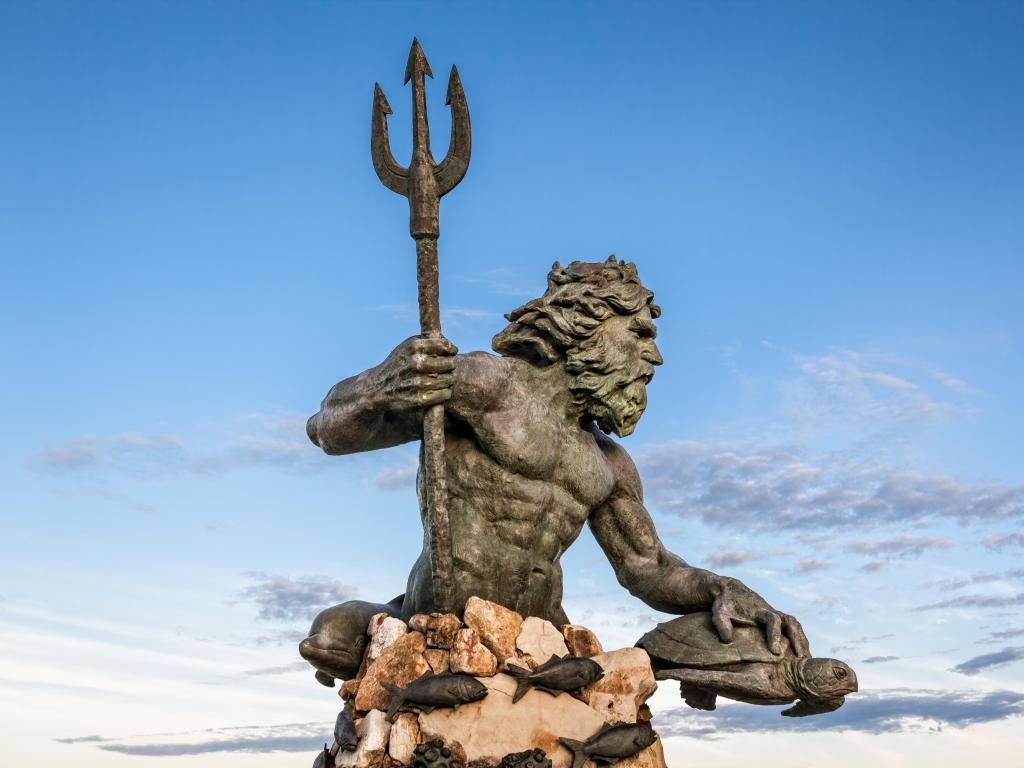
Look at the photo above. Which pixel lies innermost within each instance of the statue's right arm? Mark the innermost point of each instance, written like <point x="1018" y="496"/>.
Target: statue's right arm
<point x="383" y="406"/>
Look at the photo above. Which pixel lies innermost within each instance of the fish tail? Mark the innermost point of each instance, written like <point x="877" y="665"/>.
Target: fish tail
<point x="576" y="747"/>
<point x="395" y="700"/>
<point x="521" y="689"/>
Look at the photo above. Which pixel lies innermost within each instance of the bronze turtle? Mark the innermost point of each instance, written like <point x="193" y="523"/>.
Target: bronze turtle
<point x="688" y="649"/>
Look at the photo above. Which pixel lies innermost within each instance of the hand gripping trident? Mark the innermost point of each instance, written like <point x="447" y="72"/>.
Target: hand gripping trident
<point x="424" y="182"/>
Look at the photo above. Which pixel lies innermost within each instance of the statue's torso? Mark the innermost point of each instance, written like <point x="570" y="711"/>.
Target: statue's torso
<point x="522" y="480"/>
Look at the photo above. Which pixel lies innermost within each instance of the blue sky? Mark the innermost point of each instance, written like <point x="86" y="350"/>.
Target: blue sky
<point x="826" y="199"/>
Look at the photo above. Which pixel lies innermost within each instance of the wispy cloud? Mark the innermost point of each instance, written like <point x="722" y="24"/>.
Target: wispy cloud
<point x="253" y="440"/>
<point x="785" y="489"/>
<point x="731" y="558"/>
<point x="896" y="710"/>
<point x="811" y="565"/>
<point x="879" y="659"/>
<point x="398" y="477"/>
<point x="283" y="599"/>
<point x="450" y="316"/>
<point x="988" y="660"/>
<point x="290" y="737"/>
<point x="1015" y="539"/>
<point x="975" y="601"/>
<point x="869" y="390"/>
<point x="977" y="578"/>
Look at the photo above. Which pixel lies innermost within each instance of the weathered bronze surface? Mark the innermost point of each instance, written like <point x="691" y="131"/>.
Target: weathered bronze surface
<point x="689" y="650"/>
<point x="431" y="691"/>
<point x="556" y="676"/>
<point x="611" y="743"/>
<point x="434" y="754"/>
<point x="515" y="449"/>
<point x="530" y="758"/>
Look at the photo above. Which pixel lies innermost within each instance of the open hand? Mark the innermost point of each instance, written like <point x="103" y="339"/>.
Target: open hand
<point x="736" y="604"/>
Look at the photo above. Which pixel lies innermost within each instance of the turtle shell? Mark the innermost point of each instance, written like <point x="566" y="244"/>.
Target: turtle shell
<point x="692" y="641"/>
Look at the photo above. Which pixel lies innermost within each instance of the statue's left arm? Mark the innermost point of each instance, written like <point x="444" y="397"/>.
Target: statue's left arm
<point x="663" y="580"/>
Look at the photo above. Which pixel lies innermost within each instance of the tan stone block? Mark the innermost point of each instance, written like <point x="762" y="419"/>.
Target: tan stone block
<point x="470" y="656"/>
<point x="438" y="659"/>
<point x="627" y="683"/>
<point x="497" y="626"/>
<point x="405" y="736"/>
<point x="580" y="641"/>
<point x="399" y="664"/>
<point x="538" y="641"/>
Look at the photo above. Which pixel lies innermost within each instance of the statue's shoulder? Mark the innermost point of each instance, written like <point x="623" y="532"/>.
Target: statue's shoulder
<point x="627" y="479"/>
<point x="480" y="379"/>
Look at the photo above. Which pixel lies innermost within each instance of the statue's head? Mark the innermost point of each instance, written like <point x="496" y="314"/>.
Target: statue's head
<point x="597" y="321"/>
<point x="820" y="678"/>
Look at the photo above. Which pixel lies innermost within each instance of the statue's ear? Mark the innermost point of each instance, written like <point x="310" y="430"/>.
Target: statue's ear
<point x="803" y="708"/>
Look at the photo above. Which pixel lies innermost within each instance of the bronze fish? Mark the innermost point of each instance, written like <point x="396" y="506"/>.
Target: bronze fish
<point x="611" y="743"/>
<point x="430" y="691"/>
<point x="556" y="676"/>
<point x="345" y="735"/>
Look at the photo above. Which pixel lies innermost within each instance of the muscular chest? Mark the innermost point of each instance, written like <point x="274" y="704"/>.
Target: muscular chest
<point x="529" y="445"/>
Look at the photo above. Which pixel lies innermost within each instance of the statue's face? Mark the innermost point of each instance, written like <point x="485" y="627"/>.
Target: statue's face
<point x="827" y="678"/>
<point x="620" y="363"/>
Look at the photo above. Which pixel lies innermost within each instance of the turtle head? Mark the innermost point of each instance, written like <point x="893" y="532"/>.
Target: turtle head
<point x="824" y="678"/>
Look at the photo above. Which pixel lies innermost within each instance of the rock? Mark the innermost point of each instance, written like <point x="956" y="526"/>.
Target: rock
<point x="492" y="728"/>
<point x="388" y="631"/>
<point x="399" y="664"/>
<point x="405" y="736"/>
<point x="348" y="688"/>
<point x="538" y="641"/>
<point x="627" y="683"/>
<point x="438" y="660"/>
<point x="652" y="757"/>
<point x="470" y="656"/>
<point x="442" y="629"/>
<point x="497" y="626"/>
<point x="373" y="733"/>
<point x="581" y="641"/>
<point x="375" y="621"/>
<point x="420" y="622"/>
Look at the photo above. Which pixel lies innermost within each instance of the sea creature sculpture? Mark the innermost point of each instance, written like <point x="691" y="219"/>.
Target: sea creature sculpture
<point x="337" y="639"/>
<point x="430" y="691"/>
<point x="689" y="650"/>
<point x="556" y="676"/>
<point x="611" y="744"/>
<point x="324" y="758"/>
<point x="531" y="758"/>
<point x="434" y="754"/>
<point x="345" y="735"/>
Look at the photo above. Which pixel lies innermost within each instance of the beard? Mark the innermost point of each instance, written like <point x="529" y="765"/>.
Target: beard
<point x="616" y="399"/>
<point x="619" y="411"/>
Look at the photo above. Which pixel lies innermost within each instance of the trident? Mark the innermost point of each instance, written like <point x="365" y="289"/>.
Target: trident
<point x="424" y="182"/>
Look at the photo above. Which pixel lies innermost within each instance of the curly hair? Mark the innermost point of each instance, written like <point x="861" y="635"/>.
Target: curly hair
<point x="577" y="300"/>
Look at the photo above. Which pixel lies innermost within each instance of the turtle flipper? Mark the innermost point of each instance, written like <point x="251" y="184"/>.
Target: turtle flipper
<point x="803" y="707"/>
<point x="698" y="698"/>
<point x="751" y="685"/>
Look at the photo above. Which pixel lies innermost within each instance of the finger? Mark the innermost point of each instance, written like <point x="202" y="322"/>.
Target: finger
<point x="773" y="630"/>
<point x="722" y="624"/>
<point x="423" y="363"/>
<point x="433" y="397"/>
<point x="434" y="345"/>
<point x="431" y="381"/>
<point x="796" y="636"/>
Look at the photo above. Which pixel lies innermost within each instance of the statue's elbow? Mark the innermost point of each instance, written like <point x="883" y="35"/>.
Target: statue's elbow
<point x="311" y="429"/>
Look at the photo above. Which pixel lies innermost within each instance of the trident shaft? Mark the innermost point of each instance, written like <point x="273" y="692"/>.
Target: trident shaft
<point x="424" y="182"/>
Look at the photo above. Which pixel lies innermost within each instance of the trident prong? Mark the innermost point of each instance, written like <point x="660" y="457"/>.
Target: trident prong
<point x="424" y="182"/>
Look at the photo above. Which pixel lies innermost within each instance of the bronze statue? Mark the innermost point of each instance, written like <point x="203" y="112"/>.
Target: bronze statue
<point x="556" y="676"/>
<point x="688" y="649"/>
<point x="516" y="454"/>
<point x="611" y="744"/>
